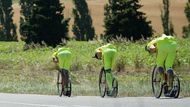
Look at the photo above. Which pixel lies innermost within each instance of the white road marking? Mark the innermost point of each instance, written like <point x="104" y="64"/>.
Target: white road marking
<point x="30" y="104"/>
<point x="38" y="105"/>
<point x="81" y="106"/>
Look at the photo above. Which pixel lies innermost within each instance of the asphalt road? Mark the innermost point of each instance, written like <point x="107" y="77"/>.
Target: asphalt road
<point x="28" y="100"/>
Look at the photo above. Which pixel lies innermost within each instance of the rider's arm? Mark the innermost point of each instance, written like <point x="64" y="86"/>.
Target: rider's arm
<point x="153" y="42"/>
<point x="99" y="49"/>
<point x="54" y="56"/>
<point x="151" y="46"/>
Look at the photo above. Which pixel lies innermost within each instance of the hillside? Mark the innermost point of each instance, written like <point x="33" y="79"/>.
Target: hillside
<point x="150" y="7"/>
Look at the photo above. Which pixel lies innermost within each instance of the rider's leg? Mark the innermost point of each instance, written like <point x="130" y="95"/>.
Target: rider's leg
<point x="161" y="56"/>
<point x="109" y="78"/>
<point x="62" y="78"/>
<point x="108" y="60"/>
<point x="170" y="78"/>
<point x="66" y="76"/>
<point x="162" y="75"/>
<point x="169" y="63"/>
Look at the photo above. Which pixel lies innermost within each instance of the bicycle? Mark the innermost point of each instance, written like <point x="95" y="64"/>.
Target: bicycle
<point x="63" y="89"/>
<point x="103" y="86"/>
<point x="158" y="86"/>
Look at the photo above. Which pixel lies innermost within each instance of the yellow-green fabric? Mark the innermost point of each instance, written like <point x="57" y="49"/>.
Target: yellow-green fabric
<point x="64" y="58"/>
<point x="166" y="50"/>
<point x="109" y="78"/>
<point x="108" y="55"/>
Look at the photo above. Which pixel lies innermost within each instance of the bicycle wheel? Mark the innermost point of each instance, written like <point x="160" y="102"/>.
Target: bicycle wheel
<point x="102" y="83"/>
<point x="156" y="83"/>
<point x="69" y="88"/>
<point x="59" y="84"/>
<point x="176" y="86"/>
<point x="115" y="87"/>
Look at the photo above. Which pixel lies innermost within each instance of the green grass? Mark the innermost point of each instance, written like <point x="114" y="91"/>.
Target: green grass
<point x="32" y="71"/>
<point x="15" y="1"/>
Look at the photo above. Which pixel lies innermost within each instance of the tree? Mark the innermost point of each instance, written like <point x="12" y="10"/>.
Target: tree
<point x="82" y="27"/>
<point x="186" y="29"/>
<point x="168" y="27"/>
<point x="122" y="18"/>
<point x="44" y="23"/>
<point x="8" y="29"/>
<point x="1" y="30"/>
<point x="26" y="7"/>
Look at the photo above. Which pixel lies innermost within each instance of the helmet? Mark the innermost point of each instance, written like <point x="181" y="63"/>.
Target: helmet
<point x="96" y="54"/>
<point x="163" y="35"/>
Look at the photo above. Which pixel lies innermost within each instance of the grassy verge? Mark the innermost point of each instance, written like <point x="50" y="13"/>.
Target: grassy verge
<point x="15" y="1"/>
<point x="129" y="85"/>
<point x="32" y="71"/>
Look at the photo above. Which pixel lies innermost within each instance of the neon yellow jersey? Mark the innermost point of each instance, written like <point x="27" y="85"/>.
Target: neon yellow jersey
<point x="163" y="40"/>
<point x="59" y="50"/>
<point x="108" y="46"/>
<point x="64" y="58"/>
<point x="108" y="55"/>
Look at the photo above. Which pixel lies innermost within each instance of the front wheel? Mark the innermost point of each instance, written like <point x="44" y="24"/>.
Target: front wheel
<point x="102" y="83"/>
<point x="59" y="84"/>
<point x="176" y="86"/>
<point x="156" y="83"/>
<point x="69" y="89"/>
<point x="115" y="88"/>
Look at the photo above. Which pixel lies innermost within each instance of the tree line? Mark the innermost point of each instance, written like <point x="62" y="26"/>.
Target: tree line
<point x="7" y="28"/>
<point x="43" y="21"/>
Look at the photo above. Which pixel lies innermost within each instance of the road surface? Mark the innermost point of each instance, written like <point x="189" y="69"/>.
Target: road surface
<point x="28" y="100"/>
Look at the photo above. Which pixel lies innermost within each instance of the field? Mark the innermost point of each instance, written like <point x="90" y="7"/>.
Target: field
<point x="32" y="71"/>
<point x="150" y="7"/>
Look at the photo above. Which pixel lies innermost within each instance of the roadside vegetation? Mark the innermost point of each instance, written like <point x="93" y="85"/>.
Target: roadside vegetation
<point x="32" y="71"/>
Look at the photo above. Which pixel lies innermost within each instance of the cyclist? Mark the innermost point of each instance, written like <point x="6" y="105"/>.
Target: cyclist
<point x="107" y="53"/>
<point x="62" y="57"/>
<point x="165" y="47"/>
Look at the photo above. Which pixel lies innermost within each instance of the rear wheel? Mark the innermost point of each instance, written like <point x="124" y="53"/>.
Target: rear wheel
<point x="156" y="83"/>
<point x="176" y="86"/>
<point x="69" y="89"/>
<point x="102" y="83"/>
<point x="115" y="87"/>
<point x="59" y="84"/>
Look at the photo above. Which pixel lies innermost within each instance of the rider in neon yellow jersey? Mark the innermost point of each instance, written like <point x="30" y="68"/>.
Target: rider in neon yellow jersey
<point x="108" y="54"/>
<point x="165" y="47"/>
<point x="62" y="57"/>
